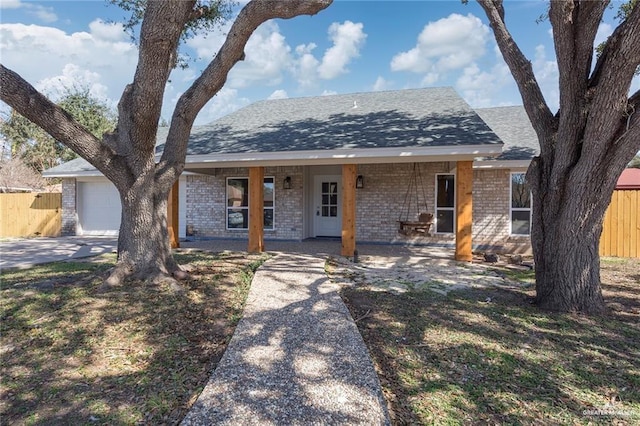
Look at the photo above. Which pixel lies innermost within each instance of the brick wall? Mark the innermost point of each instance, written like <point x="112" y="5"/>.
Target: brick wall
<point x="380" y="204"/>
<point x="69" y="211"/>
<point x="491" y="206"/>
<point x="206" y="204"/>
<point x="386" y="198"/>
<point x="491" y="221"/>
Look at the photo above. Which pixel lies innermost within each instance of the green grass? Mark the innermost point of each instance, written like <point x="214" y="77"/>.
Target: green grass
<point x="458" y="359"/>
<point x="520" y="275"/>
<point x="74" y="353"/>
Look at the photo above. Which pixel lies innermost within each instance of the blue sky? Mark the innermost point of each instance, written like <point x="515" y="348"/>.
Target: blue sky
<point x="352" y="46"/>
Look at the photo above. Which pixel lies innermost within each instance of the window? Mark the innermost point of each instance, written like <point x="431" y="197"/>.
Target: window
<point x="329" y="199"/>
<point x="520" y="205"/>
<point x="238" y="203"/>
<point x="445" y="203"/>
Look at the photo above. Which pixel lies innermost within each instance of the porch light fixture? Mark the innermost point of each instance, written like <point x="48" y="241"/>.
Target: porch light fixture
<point x="360" y="182"/>
<point x="286" y="184"/>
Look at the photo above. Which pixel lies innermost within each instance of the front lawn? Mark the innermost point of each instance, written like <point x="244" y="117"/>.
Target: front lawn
<point x="74" y="352"/>
<point x="487" y="356"/>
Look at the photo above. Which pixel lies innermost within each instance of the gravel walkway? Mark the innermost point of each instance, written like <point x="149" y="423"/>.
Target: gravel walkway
<point x="296" y="357"/>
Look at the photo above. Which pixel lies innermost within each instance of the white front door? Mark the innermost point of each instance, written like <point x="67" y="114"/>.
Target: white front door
<point x="328" y="206"/>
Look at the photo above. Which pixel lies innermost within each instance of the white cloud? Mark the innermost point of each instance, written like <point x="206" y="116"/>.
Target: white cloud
<point x="430" y="78"/>
<point x="267" y="57"/>
<point x="70" y="58"/>
<point x="107" y="31"/>
<point x="450" y="43"/>
<point x="74" y="77"/>
<point x="278" y="94"/>
<point x="381" y="84"/>
<point x="224" y="102"/>
<point x="305" y="67"/>
<point x="484" y="88"/>
<point x="547" y="75"/>
<point x="328" y="92"/>
<point x="347" y="39"/>
<point x="10" y="4"/>
<point x="43" y="13"/>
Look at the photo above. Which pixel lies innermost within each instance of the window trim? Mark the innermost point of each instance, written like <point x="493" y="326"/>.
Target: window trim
<point x="518" y="209"/>
<point x="227" y="208"/>
<point x="453" y="209"/>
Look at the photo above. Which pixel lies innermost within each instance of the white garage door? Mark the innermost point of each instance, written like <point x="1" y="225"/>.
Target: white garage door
<point x="99" y="208"/>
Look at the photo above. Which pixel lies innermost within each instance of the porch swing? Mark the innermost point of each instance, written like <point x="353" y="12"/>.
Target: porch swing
<point x="423" y="220"/>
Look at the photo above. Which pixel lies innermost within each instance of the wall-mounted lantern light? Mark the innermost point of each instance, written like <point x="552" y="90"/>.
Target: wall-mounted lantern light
<point x="286" y="184"/>
<point x="360" y="182"/>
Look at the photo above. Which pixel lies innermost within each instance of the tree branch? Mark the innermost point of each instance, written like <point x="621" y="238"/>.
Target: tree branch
<point x="214" y="76"/>
<point x="24" y="98"/>
<point x="571" y="21"/>
<point x="522" y="71"/>
<point x="627" y="140"/>
<point x="141" y="102"/>
<point x="575" y="24"/>
<point x="618" y="62"/>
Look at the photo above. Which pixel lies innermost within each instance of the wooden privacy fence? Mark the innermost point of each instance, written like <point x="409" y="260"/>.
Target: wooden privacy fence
<point x="30" y="215"/>
<point x="621" y="228"/>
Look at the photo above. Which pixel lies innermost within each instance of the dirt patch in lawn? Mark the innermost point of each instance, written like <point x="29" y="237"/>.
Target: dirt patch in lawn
<point x="75" y="353"/>
<point x="488" y="356"/>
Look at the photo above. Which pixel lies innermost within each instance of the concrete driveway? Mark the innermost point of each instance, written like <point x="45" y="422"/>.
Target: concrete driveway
<point x="26" y="252"/>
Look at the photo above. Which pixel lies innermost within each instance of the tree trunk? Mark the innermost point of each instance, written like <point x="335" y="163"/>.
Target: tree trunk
<point x="567" y="264"/>
<point x="567" y="224"/>
<point x="144" y="251"/>
<point x="583" y="147"/>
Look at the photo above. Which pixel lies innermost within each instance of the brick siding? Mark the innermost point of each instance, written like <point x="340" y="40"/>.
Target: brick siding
<point x="491" y="206"/>
<point x="380" y="204"/>
<point x="206" y="204"/>
<point x="69" y="210"/>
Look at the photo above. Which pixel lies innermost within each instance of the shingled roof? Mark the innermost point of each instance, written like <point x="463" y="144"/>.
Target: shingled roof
<point x="513" y="127"/>
<point x="403" y="118"/>
<point x="407" y="122"/>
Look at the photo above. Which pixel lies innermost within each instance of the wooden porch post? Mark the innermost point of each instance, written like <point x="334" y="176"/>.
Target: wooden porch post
<point x="256" y="210"/>
<point x="464" y="210"/>
<point x="172" y="215"/>
<point x="348" y="209"/>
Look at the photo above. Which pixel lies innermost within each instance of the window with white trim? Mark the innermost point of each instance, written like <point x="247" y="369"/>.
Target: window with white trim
<point x="520" y="209"/>
<point x="238" y="203"/>
<point x="445" y="203"/>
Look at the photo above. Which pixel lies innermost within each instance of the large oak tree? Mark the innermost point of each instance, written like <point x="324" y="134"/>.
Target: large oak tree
<point x="584" y="146"/>
<point x="127" y="155"/>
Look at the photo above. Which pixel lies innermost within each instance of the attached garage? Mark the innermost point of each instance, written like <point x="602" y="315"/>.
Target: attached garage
<point x="98" y="207"/>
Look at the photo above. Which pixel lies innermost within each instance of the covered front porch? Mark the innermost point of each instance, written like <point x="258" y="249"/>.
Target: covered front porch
<point x="355" y="210"/>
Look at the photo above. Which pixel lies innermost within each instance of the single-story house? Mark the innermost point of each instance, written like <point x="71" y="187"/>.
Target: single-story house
<point x="351" y="166"/>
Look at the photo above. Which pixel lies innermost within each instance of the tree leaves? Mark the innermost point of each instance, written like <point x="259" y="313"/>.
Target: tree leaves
<point x="41" y="151"/>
